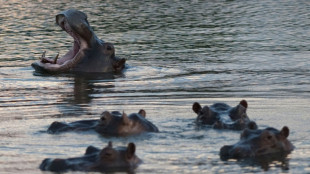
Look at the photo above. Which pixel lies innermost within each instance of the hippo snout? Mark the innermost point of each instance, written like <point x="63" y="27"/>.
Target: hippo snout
<point x="55" y="165"/>
<point x="224" y="152"/>
<point x="45" y="164"/>
<point x="55" y="126"/>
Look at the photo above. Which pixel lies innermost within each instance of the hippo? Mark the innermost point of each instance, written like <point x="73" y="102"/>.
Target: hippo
<point x="88" y="53"/>
<point x="108" y="159"/>
<point x="260" y="142"/>
<point x="223" y="116"/>
<point x="110" y="124"/>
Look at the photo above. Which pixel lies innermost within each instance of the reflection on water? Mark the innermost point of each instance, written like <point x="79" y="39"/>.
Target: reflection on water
<point x="178" y="52"/>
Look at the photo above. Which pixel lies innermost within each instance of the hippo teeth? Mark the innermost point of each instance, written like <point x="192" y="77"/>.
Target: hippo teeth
<point x="55" y="59"/>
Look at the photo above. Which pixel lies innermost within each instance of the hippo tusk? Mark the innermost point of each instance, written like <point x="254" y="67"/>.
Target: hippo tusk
<point x="55" y="59"/>
<point x="56" y="68"/>
<point x="43" y="55"/>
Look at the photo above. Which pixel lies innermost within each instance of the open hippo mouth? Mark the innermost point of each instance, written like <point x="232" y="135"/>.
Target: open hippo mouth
<point x="88" y="53"/>
<point x="79" y="42"/>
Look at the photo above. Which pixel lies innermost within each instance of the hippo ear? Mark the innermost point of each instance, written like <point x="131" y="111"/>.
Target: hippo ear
<point x="285" y="131"/>
<point x="131" y="149"/>
<point x="196" y="107"/>
<point x="244" y="103"/>
<point x="142" y="112"/>
<point x="125" y="118"/>
<point x="241" y="109"/>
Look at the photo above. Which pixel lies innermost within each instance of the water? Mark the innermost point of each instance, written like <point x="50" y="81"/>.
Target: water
<point x="178" y="52"/>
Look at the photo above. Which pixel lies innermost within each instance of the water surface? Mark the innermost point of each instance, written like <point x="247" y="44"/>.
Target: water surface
<point x="178" y="52"/>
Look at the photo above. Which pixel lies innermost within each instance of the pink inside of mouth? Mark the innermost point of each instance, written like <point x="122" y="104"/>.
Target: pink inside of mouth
<point x="76" y="45"/>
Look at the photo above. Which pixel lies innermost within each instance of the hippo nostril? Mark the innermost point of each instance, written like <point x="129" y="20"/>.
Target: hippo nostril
<point x="109" y="47"/>
<point x="269" y="137"/>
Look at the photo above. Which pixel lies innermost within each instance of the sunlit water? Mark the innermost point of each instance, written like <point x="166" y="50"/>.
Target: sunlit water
<point x="178" y="52"/>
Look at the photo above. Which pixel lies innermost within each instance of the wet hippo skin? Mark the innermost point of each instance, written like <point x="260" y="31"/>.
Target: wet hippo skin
<point x="110" y="124"/>
<point x="108" y="159"/>
<point x="254" y="143"/>
<point x="223" y="116"/>
<point x="88" y="53"/>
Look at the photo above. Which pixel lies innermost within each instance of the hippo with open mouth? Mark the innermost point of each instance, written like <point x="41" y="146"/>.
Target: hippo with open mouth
<point x="223" y="116"/>
<point x="88" y="54"/>
<point x="110" y="124"/>
<point x="255" y="143"/>
<point x="108" y="159"/>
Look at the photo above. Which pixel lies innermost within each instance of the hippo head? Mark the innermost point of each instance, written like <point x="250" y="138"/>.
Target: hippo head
<point x="254" y="143"/>
<point x="88" y="53"/>
<point x="114" y="159"/>
<point x="222" y="116"/>
<point x="117" y="124"/>
<point x="108" y="159"/>
<point x="205" y="114"/>
<point x="239" y="112"/>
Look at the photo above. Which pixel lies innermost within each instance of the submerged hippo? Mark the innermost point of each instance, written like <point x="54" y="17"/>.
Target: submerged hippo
<point x="255" y="143"/>
<point x="88" y="54"/>
<point x="108" y="159"/>
<point x="223" y="116"/>
<point x="111" y="124"/>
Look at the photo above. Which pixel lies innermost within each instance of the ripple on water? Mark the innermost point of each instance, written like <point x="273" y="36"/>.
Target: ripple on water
<point x="178" y="53"/>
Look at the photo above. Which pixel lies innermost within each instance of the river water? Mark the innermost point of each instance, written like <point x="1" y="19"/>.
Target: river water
<point x="178" y="52"/>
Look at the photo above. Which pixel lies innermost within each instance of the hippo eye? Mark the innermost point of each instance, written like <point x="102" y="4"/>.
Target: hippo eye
<point x="108" y="154"/>
<point x="269" y="137"/>
<point x="102" y="119"/>
<point x="109" y="47"/>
